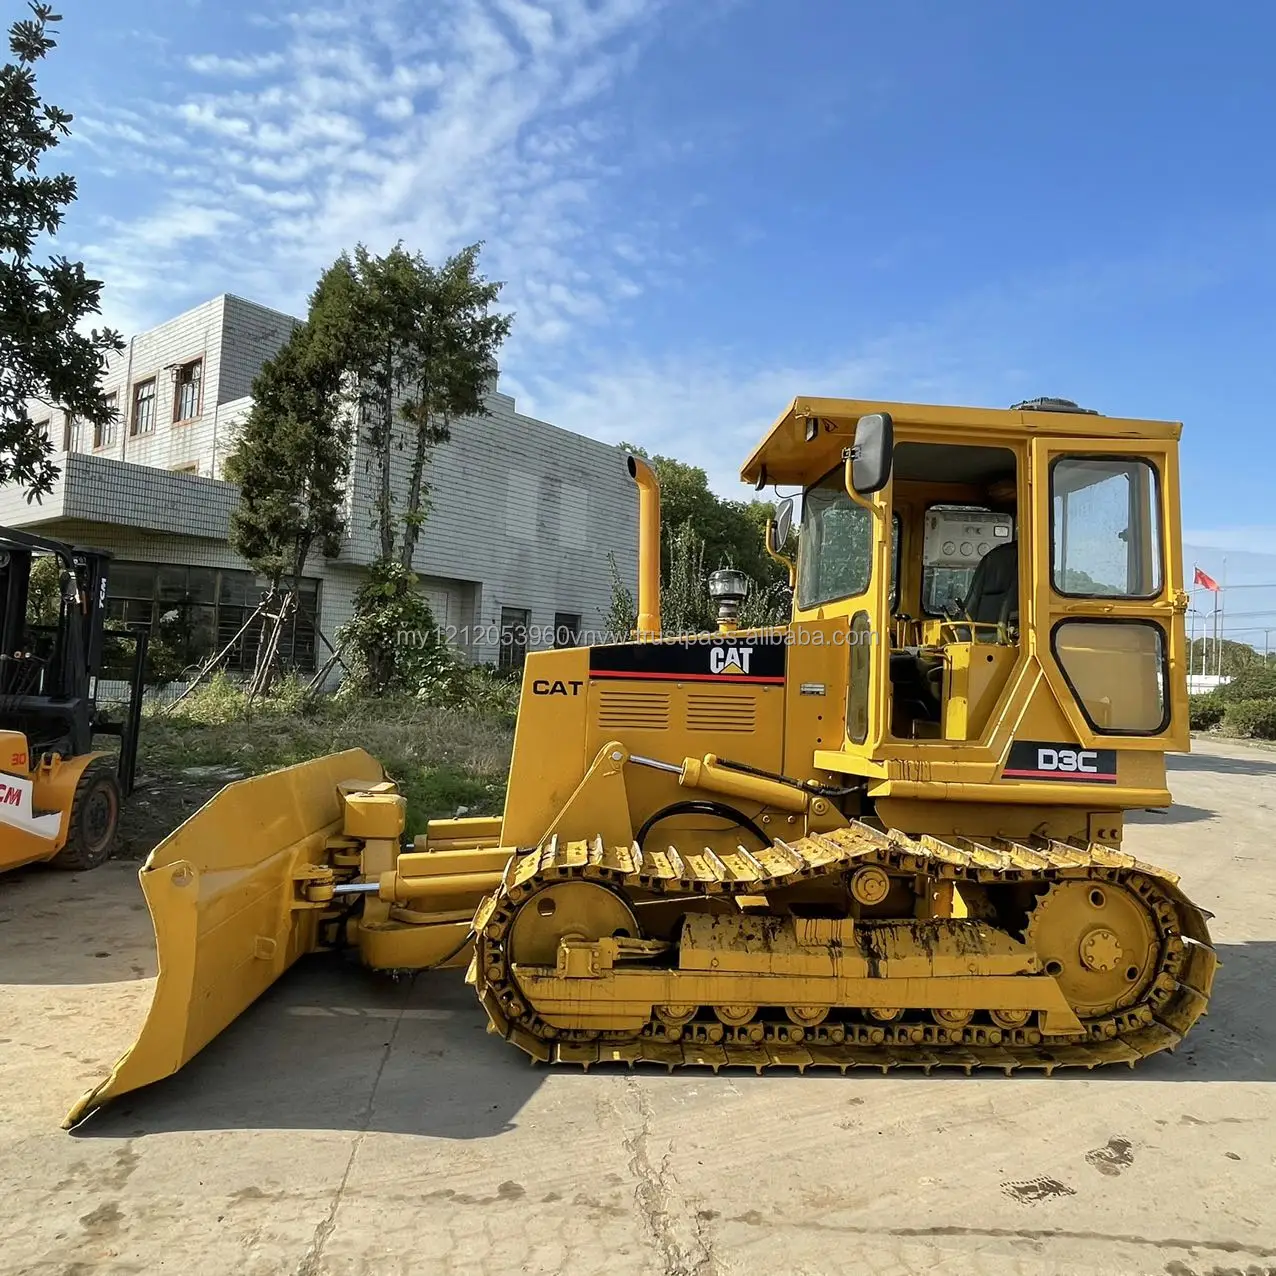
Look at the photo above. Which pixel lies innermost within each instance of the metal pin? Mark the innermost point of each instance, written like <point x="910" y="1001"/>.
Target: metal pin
<point x="656" y="764"/>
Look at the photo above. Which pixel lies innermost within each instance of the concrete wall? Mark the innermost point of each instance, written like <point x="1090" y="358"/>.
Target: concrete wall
<point x="522" y="514"/>
<point x="523" y="510"/>
<point x="231" y="337"/>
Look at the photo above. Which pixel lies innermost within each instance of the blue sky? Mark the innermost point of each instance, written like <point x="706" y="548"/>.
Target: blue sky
<point x="704" y="208"/>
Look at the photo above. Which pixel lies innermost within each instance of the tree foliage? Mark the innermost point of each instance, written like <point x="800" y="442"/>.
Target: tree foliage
<point x="700" y="533"/>
<point x="732" y="531"/>
<point x="1235" y="657"/>
<point x="422" y="346"/>
<point x="292" y="454"/>
<point x="43" y="354"/>
<point x="423" y="349"/>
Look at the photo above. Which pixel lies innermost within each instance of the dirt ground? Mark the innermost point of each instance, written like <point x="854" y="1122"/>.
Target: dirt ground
<point x="348" y="1124"/>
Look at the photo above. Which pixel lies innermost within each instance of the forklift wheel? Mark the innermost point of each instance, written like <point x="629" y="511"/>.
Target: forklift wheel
<point x="95" y="818"/>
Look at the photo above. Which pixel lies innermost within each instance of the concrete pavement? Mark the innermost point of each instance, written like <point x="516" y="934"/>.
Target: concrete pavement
<point x="348" y="1124"/>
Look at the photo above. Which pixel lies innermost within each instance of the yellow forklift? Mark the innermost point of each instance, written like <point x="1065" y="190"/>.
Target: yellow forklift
<point x="59" y="797"/>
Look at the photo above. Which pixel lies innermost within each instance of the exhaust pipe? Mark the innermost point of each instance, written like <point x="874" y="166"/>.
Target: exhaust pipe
<point x="648" y="547"/>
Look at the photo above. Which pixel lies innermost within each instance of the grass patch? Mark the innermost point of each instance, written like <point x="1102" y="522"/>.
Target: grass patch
<point x="443" y="758"/>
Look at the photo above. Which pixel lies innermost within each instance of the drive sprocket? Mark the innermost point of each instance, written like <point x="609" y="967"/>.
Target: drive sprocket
<point x="1098" y="940"/>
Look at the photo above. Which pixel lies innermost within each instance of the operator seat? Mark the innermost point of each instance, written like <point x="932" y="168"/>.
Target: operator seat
<point x="993" y="598"/>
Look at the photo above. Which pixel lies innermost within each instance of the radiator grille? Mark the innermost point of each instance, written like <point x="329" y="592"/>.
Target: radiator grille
<point x="718" y="712"/>
<point x="633" y="710"/>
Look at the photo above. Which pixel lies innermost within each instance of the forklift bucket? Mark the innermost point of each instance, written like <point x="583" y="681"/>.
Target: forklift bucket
<point x="227" y="915"/>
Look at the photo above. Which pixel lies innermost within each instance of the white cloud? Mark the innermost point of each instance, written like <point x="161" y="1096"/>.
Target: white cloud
<point x="374" y="121"/>
<point x="696" y="406"/>
<point x="211" y="64"/>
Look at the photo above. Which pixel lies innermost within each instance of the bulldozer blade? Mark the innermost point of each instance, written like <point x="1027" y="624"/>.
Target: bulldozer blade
<point x="223" y="901"/>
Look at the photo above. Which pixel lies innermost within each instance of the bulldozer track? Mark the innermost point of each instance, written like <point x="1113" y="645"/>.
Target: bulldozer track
<point x="1174" y="997"/>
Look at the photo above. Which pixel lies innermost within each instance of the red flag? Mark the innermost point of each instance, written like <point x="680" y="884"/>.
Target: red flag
<point x="1202" y="579"/>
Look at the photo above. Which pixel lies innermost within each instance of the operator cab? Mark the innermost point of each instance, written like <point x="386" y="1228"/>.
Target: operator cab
<point x="965" y="546"/>
<point x="954" y="567"/>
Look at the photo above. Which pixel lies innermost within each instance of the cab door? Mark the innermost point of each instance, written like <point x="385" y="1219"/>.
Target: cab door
<point x="1107" y="596"/>
<point x="868" y="690"/>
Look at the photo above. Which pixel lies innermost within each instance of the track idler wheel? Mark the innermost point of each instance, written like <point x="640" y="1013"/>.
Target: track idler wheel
<point x="567" y="910"/>
<point x="1098" y="941"/>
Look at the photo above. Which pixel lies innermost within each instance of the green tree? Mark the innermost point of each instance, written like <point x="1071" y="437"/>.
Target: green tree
<point x="43" y="354"/>
<point x="291" y="456"/>
<point x="422" y="352"/>
<point x="1235" y="657"/>
<point x="424" y="355"/>
<point x="700" y="533"/>
<point x="732" y="531"/>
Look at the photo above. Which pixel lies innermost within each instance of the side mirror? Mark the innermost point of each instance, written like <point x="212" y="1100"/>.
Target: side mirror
<point x="778" y="531"/>
<point x="868" y="463"/>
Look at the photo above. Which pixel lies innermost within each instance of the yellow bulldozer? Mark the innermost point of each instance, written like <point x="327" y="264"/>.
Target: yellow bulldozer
<point x="885" y="834"/>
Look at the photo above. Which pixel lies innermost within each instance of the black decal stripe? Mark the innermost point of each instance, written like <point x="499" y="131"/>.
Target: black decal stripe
<point x="1093" y="777"/>
<point x="764" y="656"/>
<point x="681" y="677"/>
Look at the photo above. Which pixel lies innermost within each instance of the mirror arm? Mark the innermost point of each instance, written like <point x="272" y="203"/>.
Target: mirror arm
<point x="780" y="558"/>
<point x="865" y="502"/>
<point x="848" y="482"/>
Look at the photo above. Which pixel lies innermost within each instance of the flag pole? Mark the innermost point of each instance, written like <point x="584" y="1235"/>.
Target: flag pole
<point x="1222" y="614"/>
<point x="1214" y="653"/>
<point x="1191" y="646"/>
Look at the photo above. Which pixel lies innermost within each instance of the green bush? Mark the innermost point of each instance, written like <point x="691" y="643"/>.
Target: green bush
<point x="1255" y="683"/>
<point x="1254" y="718"/>
<point x="1206" y="711"/>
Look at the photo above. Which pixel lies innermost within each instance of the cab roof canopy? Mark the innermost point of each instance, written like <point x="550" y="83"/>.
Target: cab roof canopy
<point x="807" y="441"/>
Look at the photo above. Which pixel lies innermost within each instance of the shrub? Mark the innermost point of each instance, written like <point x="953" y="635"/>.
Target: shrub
<point x="1254" y="718"/>
<point x="1255" y="683"/>
<point x="392" y="643"/>
<point x="1206" y="711"/>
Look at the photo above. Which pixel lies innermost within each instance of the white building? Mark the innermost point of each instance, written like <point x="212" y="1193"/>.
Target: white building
<point x="523" y="519"/>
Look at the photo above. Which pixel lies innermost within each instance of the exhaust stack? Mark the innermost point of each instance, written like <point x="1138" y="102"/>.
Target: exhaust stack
<point x="648" y="546"/>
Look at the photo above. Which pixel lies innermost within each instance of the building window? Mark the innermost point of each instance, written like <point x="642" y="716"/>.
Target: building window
<point x="104" y="434"/>
<point x="186" y="398"/>
<point x="45" y="426"/>
<point x="143" y="408"/>
<point x="194" y="612"/>
<point x="189" y="468"/>
<point x="566" y="630"/>
<point x="513" y="638"/>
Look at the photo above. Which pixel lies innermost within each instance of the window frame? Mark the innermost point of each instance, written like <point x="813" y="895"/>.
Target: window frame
<point x="104" y="433"/>
<point x="802" y="603"/>
<point x="510" y="665"/>
<point x="1084" y="618"/>
<point x="897" y="561"/>
<point x="138" y="386"/>
<point x="1158" y="538"/>
<point x="198" y="381"/>
<point x="573" y="631"/>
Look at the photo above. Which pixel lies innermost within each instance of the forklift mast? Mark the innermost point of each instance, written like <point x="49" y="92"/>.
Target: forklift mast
<point x="49" y="675"/>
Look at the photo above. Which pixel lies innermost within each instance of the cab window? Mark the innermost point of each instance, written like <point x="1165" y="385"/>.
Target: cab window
<point x="834" y="551"/>
<point x="1105" y="536"/>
